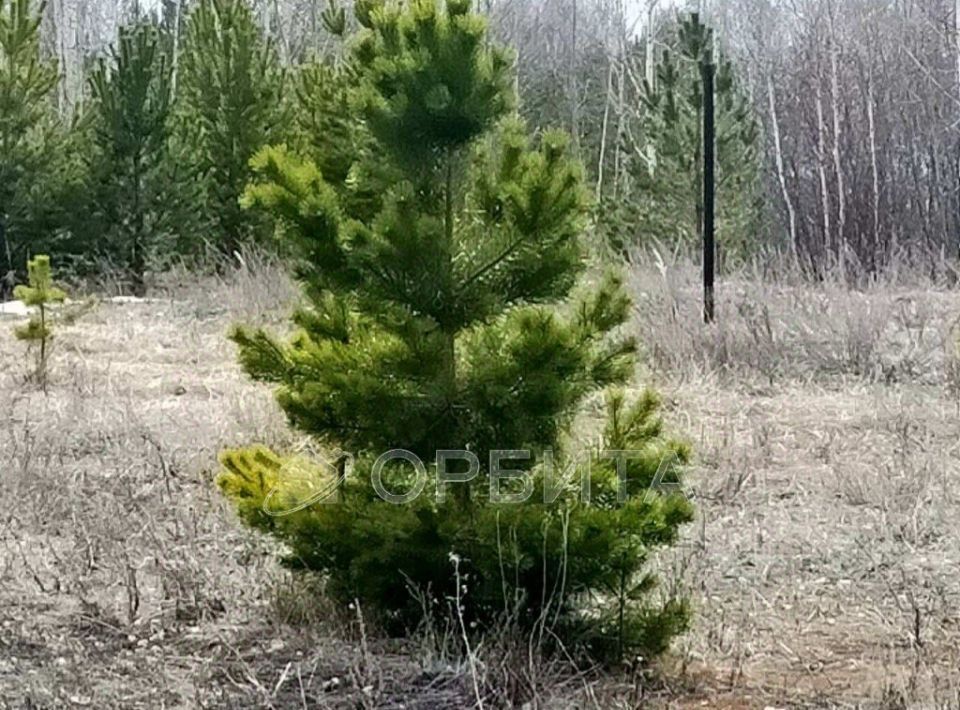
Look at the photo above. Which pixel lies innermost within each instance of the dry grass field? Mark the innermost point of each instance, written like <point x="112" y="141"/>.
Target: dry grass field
<point x="824" y="565"/>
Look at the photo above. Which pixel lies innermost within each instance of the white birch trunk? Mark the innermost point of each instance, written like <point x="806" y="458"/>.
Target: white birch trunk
<point x="781" y="172"/>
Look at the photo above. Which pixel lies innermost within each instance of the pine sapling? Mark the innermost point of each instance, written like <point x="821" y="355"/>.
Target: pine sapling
<point x="40" y="293"/>
<point x="230" y="103"/>
<point x="132" y="176"/>
<point x="441" y="247"/>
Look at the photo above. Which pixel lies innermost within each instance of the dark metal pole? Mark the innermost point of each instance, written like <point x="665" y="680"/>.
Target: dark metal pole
<point x="709" y="189"/>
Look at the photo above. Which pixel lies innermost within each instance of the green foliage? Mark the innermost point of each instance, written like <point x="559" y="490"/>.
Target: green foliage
<point x="440" y="256"/>
<point x="334" y="18"/>
<point x="40" y="289"/>
<point x="30" y="174"/>
<point x="430" y="83"/>
<point x="324" y="129"/>
<point x="230" y="95"/>
<point x="133" y="185"/>
<point x="666" y="159"/>
<point x="39" y="293"/>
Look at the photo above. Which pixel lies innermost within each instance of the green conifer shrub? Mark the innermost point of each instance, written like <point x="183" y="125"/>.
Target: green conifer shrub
<point x="230" y="105"/>
<point x="39" y="292"/>
<point x="33" y="167"/>
<point x="440" y="261"/>
<point x="132" y="187"/>
<point x="665" y="156"/>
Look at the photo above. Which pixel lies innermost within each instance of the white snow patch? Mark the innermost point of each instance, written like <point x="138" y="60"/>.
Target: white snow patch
<point x="18" y="309"/>
<point x="14" y="309"/>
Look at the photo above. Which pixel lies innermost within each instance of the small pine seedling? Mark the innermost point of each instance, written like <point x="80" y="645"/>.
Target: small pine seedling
<point x="40" y="293"/>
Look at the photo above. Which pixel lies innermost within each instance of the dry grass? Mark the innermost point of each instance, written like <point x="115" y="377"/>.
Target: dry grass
<point x="826" y="421"/>
<point x="823" y="564"/>
<point x="126" y="581"/>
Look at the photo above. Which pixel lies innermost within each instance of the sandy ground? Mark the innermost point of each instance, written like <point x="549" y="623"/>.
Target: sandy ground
<point x="824" y="565"/>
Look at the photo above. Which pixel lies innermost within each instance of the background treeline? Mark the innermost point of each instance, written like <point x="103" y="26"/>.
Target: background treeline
<point x="148" y="162"/>
<point x="853" y="158"/>
<point x="126" y="127"/>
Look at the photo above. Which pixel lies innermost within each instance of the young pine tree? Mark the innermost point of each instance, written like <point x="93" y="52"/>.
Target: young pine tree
<point x="39" y="293"/>
<point x="439" y="260"/>
<point x="229" y="90"/>
<point x="131" y="171"/>
<point x="666" y="159"/>
<point x="27" y="136"/>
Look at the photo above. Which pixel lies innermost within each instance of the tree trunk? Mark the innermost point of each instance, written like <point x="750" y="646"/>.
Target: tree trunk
<point x="175" y="59"/>
<point x="572" y="69"/>
<point x="603" y="130"/>
<point x="137" y="256"/>
<point x="956" y="33"/>
<point x="837" y="164"/>
<point x="875" y="173"/>
<point x="781" y="173"/>
<point x="822" y="171"/>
